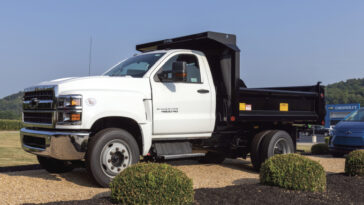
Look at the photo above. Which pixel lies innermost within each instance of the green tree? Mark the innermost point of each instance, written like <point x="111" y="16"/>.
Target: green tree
<point x="350" y="91"/>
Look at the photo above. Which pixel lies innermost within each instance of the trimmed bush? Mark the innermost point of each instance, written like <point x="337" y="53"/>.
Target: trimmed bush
<point x="320" y="149"/>
<point x="152" y="183"/>
<point x="10" y="124"/>
<point x="354" y="163"/>
<point x="293" y="171"/>
<point x="327" y="140"/>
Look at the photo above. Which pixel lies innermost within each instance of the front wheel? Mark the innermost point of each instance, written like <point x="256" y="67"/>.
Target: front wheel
<point x="110" y="151"/>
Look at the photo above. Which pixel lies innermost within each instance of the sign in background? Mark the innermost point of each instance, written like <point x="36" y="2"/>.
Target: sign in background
<point x="336" y="113"/>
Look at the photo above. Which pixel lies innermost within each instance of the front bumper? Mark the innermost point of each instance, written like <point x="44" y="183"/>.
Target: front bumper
<point x="55" y="144"/>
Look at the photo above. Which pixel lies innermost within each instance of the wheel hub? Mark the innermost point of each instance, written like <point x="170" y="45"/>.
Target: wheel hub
<point x="281" y="147"/>
<point x="115" y="157"/>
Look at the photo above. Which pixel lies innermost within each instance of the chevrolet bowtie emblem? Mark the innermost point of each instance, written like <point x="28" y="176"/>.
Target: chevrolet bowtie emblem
<point x="33" y="103"/>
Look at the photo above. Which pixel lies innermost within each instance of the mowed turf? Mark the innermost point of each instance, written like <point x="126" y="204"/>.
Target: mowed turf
<point x="306" y="148"/>
<point x="11" y="153"/>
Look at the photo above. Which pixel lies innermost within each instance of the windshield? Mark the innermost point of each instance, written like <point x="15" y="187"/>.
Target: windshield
<point x="135" y="66"/>
<point x="356" y="116"/>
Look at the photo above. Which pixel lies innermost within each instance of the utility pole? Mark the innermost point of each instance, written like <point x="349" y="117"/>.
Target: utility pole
<point x="90" y="57"/>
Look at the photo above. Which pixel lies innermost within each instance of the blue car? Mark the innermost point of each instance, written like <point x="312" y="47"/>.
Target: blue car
<point x="348" y="134"/>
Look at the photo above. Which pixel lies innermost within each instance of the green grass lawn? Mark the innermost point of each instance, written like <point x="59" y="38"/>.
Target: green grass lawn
<point x="11" y="153"/>
<point x="304" y="147"/>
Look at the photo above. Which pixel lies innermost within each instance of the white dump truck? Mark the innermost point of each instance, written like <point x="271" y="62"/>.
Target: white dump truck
<point x="178" y="98"/>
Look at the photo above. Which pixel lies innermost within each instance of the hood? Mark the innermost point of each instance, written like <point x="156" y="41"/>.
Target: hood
<point x="349" y="125"/>
<point x="77" y="85"/>
<point x="345" y="127"/>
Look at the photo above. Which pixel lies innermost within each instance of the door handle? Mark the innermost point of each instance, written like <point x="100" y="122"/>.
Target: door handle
<point x="203" y="91"/>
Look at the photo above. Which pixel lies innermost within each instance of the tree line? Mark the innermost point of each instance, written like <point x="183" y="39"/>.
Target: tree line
<point x="11" y="106"/>
<point x="344" y="92"/>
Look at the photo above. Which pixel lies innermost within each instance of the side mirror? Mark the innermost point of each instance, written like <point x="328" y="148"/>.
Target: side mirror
<point x="179" y="73"/>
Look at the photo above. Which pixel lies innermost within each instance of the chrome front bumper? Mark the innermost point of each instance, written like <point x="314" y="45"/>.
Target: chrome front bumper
<point x="55" y="144"/>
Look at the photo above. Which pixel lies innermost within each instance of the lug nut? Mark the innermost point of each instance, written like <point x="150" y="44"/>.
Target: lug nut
<point x="112" y="167"/>
<point x="117" y="149"/>
<point x="124" y="165"/>
<point x="119" y="169"/>
<point x="126" y="157"/>
<point x="122" y="151"/>
<point x="109" y="160"/>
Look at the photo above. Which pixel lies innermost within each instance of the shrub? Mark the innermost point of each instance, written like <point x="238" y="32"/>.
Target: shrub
<point x="152" y="183"/>
<point x="293" y="171"/>
<point x="10" y="124"/>
<point x="320" y="149"/>
<point x="354" y="163"/>
<point x="327" y="140"/>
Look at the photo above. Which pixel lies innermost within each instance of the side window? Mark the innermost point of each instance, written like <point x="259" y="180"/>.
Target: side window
<point x="192" y="69"/>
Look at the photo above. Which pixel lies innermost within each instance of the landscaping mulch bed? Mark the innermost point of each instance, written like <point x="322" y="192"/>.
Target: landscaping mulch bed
<point x="341" y="189"/>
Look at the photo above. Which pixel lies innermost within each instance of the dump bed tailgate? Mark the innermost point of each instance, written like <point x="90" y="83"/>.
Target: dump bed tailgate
<point x="305" y="104"/>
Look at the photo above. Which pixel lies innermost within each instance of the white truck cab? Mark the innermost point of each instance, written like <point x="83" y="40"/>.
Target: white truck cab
<point x="139" y="91"/>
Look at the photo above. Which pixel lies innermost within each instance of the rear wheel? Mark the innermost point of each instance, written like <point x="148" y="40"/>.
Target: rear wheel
<point x="276" y="142"/>
<point x="110" y="152"/>
<point x="255" y="149"/>
<point x="55" y="165"/>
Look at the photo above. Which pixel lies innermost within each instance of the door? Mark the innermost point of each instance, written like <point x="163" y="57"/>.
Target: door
<point x="182" y="107"/>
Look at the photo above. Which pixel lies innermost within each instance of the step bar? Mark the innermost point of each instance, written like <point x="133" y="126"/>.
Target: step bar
<point x="182" y="156"/>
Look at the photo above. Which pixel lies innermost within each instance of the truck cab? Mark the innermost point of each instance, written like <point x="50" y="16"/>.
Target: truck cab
<point x="176" y="97"/>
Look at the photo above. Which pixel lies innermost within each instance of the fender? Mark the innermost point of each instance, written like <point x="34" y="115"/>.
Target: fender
<point x="121" y="104"/>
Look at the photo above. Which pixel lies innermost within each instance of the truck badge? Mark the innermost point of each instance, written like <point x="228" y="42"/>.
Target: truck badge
<point x="33" y="103"/>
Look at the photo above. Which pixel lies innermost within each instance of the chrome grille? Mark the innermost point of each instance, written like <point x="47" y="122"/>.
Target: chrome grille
<point x="39" y="107"/>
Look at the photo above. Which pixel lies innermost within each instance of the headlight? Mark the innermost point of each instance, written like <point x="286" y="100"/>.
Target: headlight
<point x="69" y="117"/>
<point x="69" y="110"/>
<point x="70" y="101"/>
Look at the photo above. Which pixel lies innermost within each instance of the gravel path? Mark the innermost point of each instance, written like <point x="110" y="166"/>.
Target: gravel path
<point x="38" y="186"/>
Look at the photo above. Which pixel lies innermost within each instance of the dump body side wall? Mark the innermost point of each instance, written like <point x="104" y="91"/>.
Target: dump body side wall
<point x="300" y="105"/>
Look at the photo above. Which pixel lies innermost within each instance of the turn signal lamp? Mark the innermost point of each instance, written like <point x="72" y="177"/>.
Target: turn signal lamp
<point x="76" y="117"/>
<point x="75" y="102"/>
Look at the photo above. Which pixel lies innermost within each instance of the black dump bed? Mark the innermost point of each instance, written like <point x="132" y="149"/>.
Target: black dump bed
<point x="305" y="104"/>
<point x="235" y="102"/>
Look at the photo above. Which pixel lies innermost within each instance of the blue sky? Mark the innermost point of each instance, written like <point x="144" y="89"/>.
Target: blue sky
<point x="283" y="43"/>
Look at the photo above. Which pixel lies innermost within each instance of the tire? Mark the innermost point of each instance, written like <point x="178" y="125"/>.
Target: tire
<point x="255" y="149"/>
<point x="109" y="152"/>
<point x="212" y="158"/>
<point x="276" y="142"/>
<point x="55" y="165"/>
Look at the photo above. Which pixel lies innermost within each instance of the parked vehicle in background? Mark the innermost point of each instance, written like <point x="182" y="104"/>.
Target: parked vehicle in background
<point x="331" y="130"/>
<point x="348" y="134"/>
<point x="176" y="98"/>
<point x="316" y="129"/>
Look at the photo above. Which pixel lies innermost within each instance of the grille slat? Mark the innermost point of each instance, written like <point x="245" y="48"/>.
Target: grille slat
<point x="40" y="95"/>
<point x="38" y="117"/>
